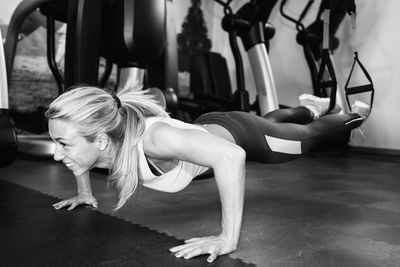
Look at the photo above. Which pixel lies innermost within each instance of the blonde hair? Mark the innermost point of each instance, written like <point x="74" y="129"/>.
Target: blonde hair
<point x="93" y="110"/>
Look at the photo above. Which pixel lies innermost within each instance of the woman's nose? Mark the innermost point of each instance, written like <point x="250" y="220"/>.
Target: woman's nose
<point x="58" y="155"/>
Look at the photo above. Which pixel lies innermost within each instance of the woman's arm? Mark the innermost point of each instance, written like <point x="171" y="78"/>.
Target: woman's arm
<point x="228" y="162"/>
<point x="84" y="196"/>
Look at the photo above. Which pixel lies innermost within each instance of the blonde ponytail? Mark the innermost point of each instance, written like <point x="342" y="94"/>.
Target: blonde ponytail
<point x="136" y="106"/>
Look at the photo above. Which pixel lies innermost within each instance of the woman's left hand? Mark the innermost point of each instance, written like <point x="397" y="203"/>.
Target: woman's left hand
<point x="213" y="245"/>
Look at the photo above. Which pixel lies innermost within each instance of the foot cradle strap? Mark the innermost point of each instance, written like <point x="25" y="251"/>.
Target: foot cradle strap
<point x="361" y="88"/>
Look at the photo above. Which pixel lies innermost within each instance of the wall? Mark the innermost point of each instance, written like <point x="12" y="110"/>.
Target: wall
<point x="6" y="9"/>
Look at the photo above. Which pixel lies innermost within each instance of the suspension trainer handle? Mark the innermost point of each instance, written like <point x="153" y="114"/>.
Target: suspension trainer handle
<point x="360" y="88"/>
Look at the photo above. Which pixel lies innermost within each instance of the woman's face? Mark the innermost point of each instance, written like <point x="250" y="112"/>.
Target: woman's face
<point x="75" y="151"/>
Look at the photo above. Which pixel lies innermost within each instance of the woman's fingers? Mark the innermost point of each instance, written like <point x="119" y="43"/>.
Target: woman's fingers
<point x="76" y="201"/>
<point x="60" y="204"/>
<point x="212" y="257"/>
<point x="93" y="203"/>
<point x="197" y="247"/>
<point x="194" y="239"/>
<point x="73" y="205"/>
<point x="212" y="245"/>
<point x="190" y="252"/>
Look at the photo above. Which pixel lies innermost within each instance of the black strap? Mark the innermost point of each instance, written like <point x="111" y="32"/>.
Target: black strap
<point x="361" y="88"/>
<point x="154" y="168"/>
<point x="351" y="7"/>
<point x="326" y="63"/>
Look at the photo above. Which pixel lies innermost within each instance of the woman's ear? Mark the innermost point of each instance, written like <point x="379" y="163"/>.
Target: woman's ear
<point x="102" y="141"/>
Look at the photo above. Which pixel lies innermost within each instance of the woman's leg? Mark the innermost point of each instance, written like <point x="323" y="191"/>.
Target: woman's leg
<point x="299" y="115"/>
<point x="311" y="107"/>
<point x="268" y="142"/>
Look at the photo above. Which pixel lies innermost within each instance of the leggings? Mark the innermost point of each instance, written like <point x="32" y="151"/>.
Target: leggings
<point x="283" y="134"/>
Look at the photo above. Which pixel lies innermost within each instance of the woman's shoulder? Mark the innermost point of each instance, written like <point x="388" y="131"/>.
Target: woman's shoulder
<point x="149" y="121"/>
<point x="153" y="119"/>
<point x="171" y="122"/>
<point x="156" y="127"/>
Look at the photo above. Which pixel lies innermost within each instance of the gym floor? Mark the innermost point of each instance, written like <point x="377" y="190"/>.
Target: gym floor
<point x="326" y="209"/>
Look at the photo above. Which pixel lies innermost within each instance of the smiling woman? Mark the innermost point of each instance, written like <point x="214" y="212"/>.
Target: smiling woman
<point x="133" y="136"/>
<point x="79" y="155"/>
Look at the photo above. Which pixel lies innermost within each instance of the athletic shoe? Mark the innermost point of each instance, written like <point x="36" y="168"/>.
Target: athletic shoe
<point x="318" y="105"/>
<point x="361" y="109"/>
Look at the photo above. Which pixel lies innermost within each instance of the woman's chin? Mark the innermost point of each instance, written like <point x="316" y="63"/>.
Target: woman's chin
<point x="77" y="171"/>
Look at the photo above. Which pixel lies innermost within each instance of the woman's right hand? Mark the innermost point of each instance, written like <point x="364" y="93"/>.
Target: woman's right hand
<point x="80" y="199"/>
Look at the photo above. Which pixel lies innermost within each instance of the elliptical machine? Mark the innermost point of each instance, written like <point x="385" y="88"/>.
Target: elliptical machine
<point x="128" y="33"/>
<point x="250" y="24"/>
<point x="8" y="137"/>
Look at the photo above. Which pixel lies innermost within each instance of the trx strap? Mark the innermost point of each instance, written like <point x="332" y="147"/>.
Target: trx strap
<point x="362" y="88"/>
<point x="326" y="63"/>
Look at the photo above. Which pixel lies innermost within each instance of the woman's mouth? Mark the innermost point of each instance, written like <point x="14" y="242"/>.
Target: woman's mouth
<point x="69" y="164"/>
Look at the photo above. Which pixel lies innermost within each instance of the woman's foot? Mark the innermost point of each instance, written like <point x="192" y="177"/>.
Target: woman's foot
<point x="361" y="109"/>
<point x="319" y="106"/>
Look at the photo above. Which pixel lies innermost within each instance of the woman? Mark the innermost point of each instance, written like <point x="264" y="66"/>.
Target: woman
<point x="130" y="134"/>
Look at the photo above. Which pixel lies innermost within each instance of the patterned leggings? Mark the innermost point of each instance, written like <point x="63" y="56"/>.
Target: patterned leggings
<point x="283" y="134"/>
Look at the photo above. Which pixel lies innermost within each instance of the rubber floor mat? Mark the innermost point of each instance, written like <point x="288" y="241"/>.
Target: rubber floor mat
<point x="33" y="233"/>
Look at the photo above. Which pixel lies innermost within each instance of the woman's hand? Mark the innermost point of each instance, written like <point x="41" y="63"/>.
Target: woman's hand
<point x="213" y="245"/>
<point x="80" y="199"/>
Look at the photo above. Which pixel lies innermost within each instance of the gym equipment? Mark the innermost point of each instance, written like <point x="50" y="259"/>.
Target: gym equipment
<point x="128" y="33"/>
<point x="210" y="87"/>
<point x="318" y="42"/>
<point x="361" y="88"/>
<point x="8" y="139"/>
<point x="41" y="145"/>
<point x="326" y="67"/>
<point x="321" y="32"/>
<point x="310" y="41"/>
<point x="250" y="24"/>
<point x="209" y="82"/>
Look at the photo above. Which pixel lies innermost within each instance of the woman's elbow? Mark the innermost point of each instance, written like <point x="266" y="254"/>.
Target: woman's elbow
<point x="234" y="156"/>
<point x="240" y="154"/>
